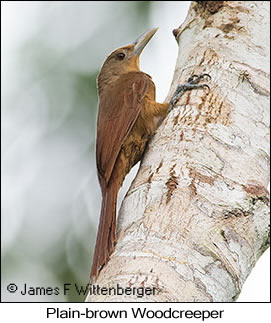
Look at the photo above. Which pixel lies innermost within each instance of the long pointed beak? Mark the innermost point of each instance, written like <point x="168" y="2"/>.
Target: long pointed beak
<point x="143" y="40"/>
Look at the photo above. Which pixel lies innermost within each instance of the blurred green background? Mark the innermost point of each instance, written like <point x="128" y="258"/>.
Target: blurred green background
<point x="51" y="54"/>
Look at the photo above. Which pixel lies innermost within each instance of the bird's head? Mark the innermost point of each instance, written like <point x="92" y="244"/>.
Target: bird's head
<point x="124" y="59"/>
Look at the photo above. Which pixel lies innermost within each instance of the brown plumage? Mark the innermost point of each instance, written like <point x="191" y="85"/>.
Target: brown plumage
<point x="128" y="115"/>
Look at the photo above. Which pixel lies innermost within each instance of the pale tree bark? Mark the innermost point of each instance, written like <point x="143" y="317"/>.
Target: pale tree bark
<point x="196" y="218"/>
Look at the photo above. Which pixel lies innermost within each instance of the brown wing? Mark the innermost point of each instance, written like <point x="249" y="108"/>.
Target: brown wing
<point x="119" y="108"/>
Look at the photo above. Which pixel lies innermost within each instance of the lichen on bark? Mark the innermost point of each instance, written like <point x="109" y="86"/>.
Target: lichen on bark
<point x="196" y="217"/>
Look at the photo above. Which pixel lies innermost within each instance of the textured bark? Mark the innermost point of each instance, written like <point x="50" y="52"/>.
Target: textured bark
<point x="196" y="218"/>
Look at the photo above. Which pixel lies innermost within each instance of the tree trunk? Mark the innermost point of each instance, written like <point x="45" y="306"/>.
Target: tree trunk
<point x="196" y="218"/>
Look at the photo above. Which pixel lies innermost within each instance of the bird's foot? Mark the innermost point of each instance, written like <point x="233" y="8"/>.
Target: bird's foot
<point x="192" y="83"/>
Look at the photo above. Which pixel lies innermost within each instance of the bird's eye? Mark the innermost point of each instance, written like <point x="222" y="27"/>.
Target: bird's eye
<point x="120" y="56"/>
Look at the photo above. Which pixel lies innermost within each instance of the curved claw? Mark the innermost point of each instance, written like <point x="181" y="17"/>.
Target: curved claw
<point x="192" y="78"/>
<point x="207" y="86"/>
<point x="190" y="85"/>
<point x="195" y="79"/>
<point x="208" y="76"/>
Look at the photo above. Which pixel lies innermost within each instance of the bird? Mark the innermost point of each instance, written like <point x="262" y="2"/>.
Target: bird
<point x="128" y="116"/>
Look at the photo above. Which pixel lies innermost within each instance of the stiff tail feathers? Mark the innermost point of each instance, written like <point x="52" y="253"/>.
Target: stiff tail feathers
<point x="106" y="236"/>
